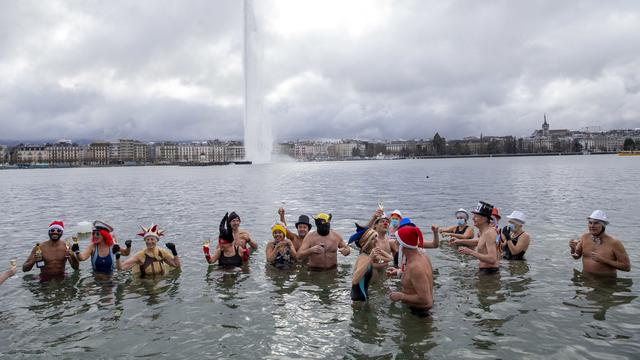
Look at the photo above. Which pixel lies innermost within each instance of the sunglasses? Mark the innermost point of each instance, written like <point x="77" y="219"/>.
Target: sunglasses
<point x="55" y="231"/>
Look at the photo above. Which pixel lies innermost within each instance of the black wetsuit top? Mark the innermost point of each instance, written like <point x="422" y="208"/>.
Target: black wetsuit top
<point x="507" y="253"/>
<point x="230" y="261"/>
<point x="360" y="291"/>
<point x="461" y="231"/>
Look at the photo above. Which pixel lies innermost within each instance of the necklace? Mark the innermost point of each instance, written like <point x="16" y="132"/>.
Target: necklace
<point x="596" y="240"/>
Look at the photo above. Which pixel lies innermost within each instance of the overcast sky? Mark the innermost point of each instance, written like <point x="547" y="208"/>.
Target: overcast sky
<point x="331" y="69"/>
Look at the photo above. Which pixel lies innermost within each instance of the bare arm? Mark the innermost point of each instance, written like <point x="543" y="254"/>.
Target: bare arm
<point x="253" y="244"/>
<point x="73" y="261"/>
<point x="31" y="260"/>
<point x="522" y="245"/>
<point x="376" y="215"/>
<point x="448" y="230"/>
<point x="576" y="248"/>
<point x="292" y="250"/>
<point x="306" y="250"/>
<point x="216" y="255"/>
<point x="271" y="251"/>
<point x="466" y="242"/>
<point x="128" y="264"/>
<point x="621" y="261"/>
<point x="362" y="265"/>
<point x="7" y="274"/>
<point x="436" y="238"/>
<point x="84" y="255"/>
<point x="490" y="257"/>
<point x="342" y="246"/>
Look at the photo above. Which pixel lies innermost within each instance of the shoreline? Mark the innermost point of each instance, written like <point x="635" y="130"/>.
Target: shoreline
<point x="192" y="164"/>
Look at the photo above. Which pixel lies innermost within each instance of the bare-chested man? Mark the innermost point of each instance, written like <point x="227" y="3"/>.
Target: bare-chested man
<point x="51" y="256"/>
<point x="486" y="251"/>
<point x="601" y="253"/>
<point x="241" y="237"/>
<point x="303" y="226"/>
<point x="417" y="276"/>
<point x="322" y="246"/>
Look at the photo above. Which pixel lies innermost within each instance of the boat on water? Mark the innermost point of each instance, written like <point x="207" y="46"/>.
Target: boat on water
<point x="629" y="153"/>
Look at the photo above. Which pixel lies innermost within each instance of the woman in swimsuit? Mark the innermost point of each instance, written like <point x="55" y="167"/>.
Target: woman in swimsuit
<point x="366" y="240"/>
<point x="515" y="241"/>
<point x="102" y="250"/>
<point x="461" y="230"/>
<point x="153" y="260"/>
<point x="280" y="251"/>
<point x="227" y="255"/>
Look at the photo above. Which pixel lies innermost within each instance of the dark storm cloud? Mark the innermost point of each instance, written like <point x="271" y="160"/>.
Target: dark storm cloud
<point x="368" y="69"/>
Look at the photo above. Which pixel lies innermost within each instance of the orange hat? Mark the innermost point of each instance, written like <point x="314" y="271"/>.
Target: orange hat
<point x="496" y="213"/>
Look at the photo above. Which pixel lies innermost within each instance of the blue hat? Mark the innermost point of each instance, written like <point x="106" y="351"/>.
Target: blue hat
<point x="404" y="222"/>
<point x="362" y="236"/>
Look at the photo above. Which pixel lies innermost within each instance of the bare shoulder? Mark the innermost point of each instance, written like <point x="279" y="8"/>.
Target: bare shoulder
<point x="616" y="243"/>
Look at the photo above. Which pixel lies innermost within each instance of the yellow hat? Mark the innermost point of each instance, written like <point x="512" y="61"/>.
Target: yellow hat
<point x="278" y="227"/>
<point x="323" y="216"/>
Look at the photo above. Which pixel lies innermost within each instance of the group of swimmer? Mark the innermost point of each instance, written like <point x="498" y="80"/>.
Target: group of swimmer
<point x="389" y="246"/>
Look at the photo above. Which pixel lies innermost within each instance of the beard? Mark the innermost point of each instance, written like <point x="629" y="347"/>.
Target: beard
<point x="324" y="229"/>
<point x="55" y="237"/>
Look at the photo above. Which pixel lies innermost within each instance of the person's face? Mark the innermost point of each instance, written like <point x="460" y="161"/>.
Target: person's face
<point x="479" y="220"/>
<point x="595" y="227"/>
<point x="96" y="237"/>
<point x="55" y="234"/>
<point x="278" y="235"/>
<point x="235" y="223"/>
<point x="395" y="220"/>
<point x="515" y="225"/>
<point x="382" y="225"/>
<point x="225" y="245"/>
<point x="150" y="242"/>
<point x="461" y="219"/>
<point x="303" y="230"/>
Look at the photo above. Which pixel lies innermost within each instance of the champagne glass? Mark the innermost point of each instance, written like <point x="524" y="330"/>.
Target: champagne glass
<point x="380" y="204"/>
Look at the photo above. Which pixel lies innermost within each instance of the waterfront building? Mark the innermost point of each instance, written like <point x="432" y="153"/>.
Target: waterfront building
<point x="98" y="153"/>
<point x="29" y="154"/>
<point x="65" y="153"/>
<point x="132" y="151"/>
<point x="4" y="154"/>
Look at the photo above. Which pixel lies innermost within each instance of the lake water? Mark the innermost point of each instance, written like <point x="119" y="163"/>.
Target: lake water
<point x="539" y="308"/>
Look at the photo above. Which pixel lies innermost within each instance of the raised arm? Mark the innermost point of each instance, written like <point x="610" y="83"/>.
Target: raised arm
<point x="376" y="215"/>
<point x="175" y="260"/>
<point x="436" y="238"/>
<point x="7" y="274"/>
<point x="84" y="255"/>
<point x="253" y="244"/>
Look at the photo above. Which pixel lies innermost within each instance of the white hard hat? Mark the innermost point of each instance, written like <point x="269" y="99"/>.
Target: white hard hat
<point x="600" y="216"/>
<point x="518" y="216"/>
<point x="396" y="212"/>
<point x="465" y="212"/>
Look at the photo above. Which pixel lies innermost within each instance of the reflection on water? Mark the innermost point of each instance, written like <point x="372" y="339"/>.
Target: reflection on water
<point x="596" y="295"/>
<point x="263" y="312"/>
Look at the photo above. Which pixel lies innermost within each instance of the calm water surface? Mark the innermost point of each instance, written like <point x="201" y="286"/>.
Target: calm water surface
<point x="540" y="308"/>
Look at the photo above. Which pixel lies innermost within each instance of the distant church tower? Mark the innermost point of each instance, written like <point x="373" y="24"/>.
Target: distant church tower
<point x="545" y="126"/>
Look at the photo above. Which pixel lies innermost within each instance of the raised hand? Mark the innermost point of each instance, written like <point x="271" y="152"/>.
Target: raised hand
<point x="116" y="248"/>
<point x="75" y="248"/>
<point x="128" y="244"/>
<point x="435" y="229"/>
<point x="172" y="247"/>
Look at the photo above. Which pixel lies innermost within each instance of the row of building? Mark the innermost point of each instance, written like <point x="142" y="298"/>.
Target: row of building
<point x="127" y="151"/>
<point x="122" y="152"/>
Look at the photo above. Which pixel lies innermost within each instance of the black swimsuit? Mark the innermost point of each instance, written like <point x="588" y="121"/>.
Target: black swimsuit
<point x="507" y="253"/>
<point x="360" y="291"/>
<point x="282" y="260"/>
<point x="461" y="231"/>
<point x="230" y="261"/>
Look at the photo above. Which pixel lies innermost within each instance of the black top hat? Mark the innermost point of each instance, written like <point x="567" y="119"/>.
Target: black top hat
<point x="304" y="220"/>
<point x="483" y="209"/>
<point x="226" y="233"/>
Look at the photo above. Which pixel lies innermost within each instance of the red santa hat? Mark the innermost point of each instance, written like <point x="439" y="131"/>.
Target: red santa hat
<point x="57" y="224"/>
<point x="410" y="236"/>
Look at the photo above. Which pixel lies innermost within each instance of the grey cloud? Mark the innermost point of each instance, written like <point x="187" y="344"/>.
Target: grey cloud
<point x="457" y="67"/>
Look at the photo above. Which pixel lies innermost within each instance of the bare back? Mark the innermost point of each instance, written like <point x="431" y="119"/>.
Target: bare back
<point x="486" y="246"/>
<point x="414" y="277"/>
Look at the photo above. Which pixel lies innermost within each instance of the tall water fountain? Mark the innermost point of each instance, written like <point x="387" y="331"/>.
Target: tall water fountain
<point x="258" y="140"/>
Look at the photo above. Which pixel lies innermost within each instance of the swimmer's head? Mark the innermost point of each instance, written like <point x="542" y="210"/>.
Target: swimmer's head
<point x="323" y="224"/>
<point x="98" y="236"/>
<point x="482" y="213"/>
<point x="151" y="235"/>
<point x="382" y="223"/>
<point x="278" y="232"/>
<point x="303" y="225"/>
<point x="462" y="216"/>
<point x="234" y="220"/>
<point x="598" y="222"/>
<point x="516" y="220"/>
<point x="56" y="228"/>
<point x="394" y="218"/>
<point x="364" y="238"/>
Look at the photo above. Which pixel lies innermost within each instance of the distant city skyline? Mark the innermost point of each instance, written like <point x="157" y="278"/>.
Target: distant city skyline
<point x="363" y="69"/>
